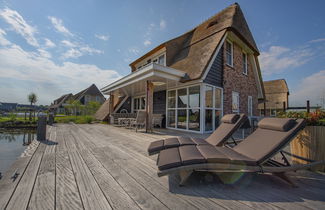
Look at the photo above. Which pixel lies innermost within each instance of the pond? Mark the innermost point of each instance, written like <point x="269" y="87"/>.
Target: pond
<point x="12" y="145"/>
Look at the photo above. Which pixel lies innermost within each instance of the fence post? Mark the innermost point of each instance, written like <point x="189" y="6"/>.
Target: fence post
<point x="51" y="118"/>
<point x="308" y="106"/>
<point x="284" y="106"/>
<point x="41" y="127"/>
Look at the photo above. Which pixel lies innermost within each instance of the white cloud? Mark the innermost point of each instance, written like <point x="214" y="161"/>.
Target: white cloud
<point x="44" y="53"/>
<point x="134" y="50"/>
<point x="102" y="37"/>
<point x="49" y="43"/>
<point x="147" y="43"/>
<point x="36" y="72"/>
<point x="310" y="88"/>
<point x="58" y="25"/>
<point x="20" y="26"/>
<point x="72" y="53"/>
<point x="162" y="24"/>
<point x="317" y="40"/>
<point x="278" y="58"/>
<point x="68" y="43"/>
<point x="3" y="40"/>
<point x="90" y="51"/>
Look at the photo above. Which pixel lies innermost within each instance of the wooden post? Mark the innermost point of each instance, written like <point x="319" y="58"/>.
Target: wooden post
<point x="308" y="106"/>
<point x="264" y="109"/>
<point x="111" y="105"/>
<point x="149" y="105"/>
<point x="284" y="106"/>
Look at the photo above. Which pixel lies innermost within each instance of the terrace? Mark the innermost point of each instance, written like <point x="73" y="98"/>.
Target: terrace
<point x="104" y="167"/>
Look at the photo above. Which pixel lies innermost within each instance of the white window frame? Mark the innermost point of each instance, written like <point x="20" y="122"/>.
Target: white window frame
<point x="231" y="53"/>
<point x="213" y="108"/>
<point x="250" y="108"/>
<point x="185" y="108"/>
<point x="234" y="93"/>
<point x="140" y="102"/>
<point x="245" y="65"/>
<point x="271" y="114"/>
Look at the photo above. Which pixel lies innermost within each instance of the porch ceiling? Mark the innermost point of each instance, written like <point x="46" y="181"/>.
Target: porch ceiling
<point x="134" y="83"/>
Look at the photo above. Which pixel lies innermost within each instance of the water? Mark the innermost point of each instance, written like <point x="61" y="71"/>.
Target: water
<point x="12" y="145"/>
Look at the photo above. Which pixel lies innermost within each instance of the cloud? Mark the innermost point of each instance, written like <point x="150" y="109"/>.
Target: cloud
<point x="89" y="50"/>
<point x="20" y="26"/>
<point x="102" y="37"/>
<point x="277" y="59"/>
<point x="147" y="43"/>
<point x="68" y="43"/>
<point x="310" y="88"/>
<point x="162" y="24"/>
<point x="72" y="53"/>
<point x="134" y="50"/>
<point x="317" y="40"/>
<point x="49" y="43"/>
<point x="3" y="40"/>
<point x="58" y="25"/>
<point x="35" y="71"/>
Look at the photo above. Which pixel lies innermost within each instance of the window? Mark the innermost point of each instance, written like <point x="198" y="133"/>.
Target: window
<point x="250" y="106"/>
<point x="161" y="60"/>
<point x="235" y="102"/>
<point x="245" y="64"/>
<point x="229" y="53"/>
<point x="273" y="112"/>
<point x="97" y="98"/>
<point x="213" y="107"/>
<point x="139" y="103"/>
<point x="262" y="112"/>
<point x="183" y="108"/>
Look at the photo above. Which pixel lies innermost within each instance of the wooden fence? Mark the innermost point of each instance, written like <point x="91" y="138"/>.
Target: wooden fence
<point x="310" y="143"/>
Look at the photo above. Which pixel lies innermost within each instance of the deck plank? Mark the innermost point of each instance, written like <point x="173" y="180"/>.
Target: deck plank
<point x="43" y="195"/>
<point x="91" y="194"/>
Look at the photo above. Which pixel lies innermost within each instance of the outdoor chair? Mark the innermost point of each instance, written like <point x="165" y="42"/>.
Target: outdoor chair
<point x="140" y="120"/>
<point x="254" y="154"/>
<point x="230" y="123"/>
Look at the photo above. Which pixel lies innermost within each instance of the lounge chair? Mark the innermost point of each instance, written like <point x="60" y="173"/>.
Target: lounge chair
<point x="230" y="123"/>
<point x="254" y="154"/>
<point x="140" y="120"/>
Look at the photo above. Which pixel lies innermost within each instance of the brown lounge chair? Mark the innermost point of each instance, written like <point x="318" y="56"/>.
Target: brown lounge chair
<point x="230" y="123"/>
<point x="254" y="154"/>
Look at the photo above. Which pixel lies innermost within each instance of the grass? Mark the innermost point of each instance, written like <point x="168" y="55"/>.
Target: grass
<point x="75" y="119"/>
<point x="16" y="119"/>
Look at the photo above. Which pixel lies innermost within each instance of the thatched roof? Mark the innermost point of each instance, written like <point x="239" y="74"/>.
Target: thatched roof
<point x="192" y="51"/>
<point x="103" y="111"/>
<point x="59" y="101"/>
<point x="276" y="86"/>
<point x="91" y="90"/>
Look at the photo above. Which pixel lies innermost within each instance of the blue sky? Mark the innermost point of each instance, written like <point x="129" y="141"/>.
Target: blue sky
<point x="56" y="47"/>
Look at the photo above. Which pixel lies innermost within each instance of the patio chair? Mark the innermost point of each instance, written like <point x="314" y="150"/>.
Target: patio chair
<point x="230" y="123"/>
<point x="254" y="154"/>
<point x="140" y="120"/>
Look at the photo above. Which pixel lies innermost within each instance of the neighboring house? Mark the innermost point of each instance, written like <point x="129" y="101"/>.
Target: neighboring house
<point x="196" y="78"/>
<point x="276" y="97"/>
<point x="92" y="93"/>
<point x="8" y="107"/>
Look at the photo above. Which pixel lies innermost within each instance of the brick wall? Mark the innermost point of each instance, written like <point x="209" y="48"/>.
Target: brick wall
<point x="235" y="80"/>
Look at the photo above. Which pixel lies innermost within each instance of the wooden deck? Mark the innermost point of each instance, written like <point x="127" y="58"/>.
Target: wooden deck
<point x="104" y="167"/>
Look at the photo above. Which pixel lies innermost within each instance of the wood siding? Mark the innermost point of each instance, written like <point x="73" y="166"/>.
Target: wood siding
<point x="159" y="102"/>
<point x="126" y="105"/>
<point x="215" y="74"/>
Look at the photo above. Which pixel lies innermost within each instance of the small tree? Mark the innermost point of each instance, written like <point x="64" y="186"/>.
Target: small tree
<point x="92" y="107"/>
<point x="32" y="98"/>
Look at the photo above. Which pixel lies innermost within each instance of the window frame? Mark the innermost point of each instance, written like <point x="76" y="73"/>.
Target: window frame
<point x="232" y="102"/>
<point x="231" y="53"/>
<point x="213" y="108"/>
<point x="250" y="108"/>
<point x="135" y="109"/>
<point x="245" y="63"/>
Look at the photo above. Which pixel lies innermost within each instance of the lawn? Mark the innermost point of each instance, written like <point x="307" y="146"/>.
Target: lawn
<point x="75" y="119"/>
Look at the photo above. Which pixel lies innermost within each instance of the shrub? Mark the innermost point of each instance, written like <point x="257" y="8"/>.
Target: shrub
<point x="316" y="118"/>
<point x="12" y="117"/>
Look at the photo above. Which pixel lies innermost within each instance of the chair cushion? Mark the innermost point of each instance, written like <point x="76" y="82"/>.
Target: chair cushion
<point x="171" y="142"/>
<point x="199" y="141"/>
<point x="169" y="158"/>
<point x="277" y="124"/>
<point x="230" y="118"/>
<point x="185" y="141"/>
<point x="156" y="146"/>
<point x="190" y="155"/>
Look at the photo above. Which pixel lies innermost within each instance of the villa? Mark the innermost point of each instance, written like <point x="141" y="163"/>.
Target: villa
<point x="196" y="78"/>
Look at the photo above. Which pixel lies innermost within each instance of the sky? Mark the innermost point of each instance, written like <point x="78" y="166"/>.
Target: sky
<point x="58" y="47"/>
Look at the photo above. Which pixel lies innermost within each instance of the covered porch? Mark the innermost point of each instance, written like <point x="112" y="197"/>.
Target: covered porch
<point x="159" y="90"/>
